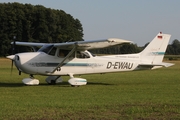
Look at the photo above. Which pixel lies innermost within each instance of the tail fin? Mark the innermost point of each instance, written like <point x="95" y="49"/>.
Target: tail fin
<point x="154" y="52"/>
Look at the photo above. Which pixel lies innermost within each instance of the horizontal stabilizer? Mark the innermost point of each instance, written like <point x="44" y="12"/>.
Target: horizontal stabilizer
<point x="163" y="64"/>
<point x="167" y="64"/>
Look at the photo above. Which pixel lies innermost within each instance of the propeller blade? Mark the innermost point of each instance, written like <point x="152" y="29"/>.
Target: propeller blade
<point x="14" y="45"/>
<point x="12" y="66"/>
<point x="12" y="57"/>
<point x="19" y="72"/>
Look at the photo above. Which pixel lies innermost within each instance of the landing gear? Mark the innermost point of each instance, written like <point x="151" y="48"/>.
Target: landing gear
<point x="74" y="85"/>
<point x="31" y="76"/>
<point x="30" y="81"/>
<point x="76" y="82"/>
<point x="52" y="80"/>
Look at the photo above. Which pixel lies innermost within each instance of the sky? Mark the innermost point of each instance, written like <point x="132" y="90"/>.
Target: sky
<point x="135" y="20"/>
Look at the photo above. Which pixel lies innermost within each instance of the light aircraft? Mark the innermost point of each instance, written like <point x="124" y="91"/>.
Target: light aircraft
<point x="72" y="58"/>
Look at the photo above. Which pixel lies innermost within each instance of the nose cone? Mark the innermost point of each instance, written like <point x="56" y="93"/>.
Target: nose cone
<point x="12" y="57"/>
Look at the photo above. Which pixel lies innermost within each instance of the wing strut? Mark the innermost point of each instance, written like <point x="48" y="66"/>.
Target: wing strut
<point x="69" y="54"/>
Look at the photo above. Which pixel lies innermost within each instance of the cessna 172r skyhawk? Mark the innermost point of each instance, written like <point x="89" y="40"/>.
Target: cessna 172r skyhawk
<point x="72" y="58"/>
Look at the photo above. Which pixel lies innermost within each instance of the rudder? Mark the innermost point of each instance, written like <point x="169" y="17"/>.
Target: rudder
<point x="154" y="52"/>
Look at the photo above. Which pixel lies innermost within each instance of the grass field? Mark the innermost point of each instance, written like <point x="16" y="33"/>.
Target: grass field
<point x="153" y="94"/>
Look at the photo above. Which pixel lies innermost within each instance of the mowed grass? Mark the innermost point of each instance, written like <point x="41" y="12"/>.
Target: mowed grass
<point x="151" y="94"/>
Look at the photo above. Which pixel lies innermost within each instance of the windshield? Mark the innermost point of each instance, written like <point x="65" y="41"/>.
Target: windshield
<point x="45" y="48"/>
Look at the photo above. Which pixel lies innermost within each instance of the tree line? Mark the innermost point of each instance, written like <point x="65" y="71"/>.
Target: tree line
<point x="35" y="23"/>
<point x="31" y="23"/>
<point x="172" y="49"/>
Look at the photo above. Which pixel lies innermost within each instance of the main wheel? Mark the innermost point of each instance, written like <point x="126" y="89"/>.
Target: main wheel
<point x="53" y="82"/>
<point x="74" y="85"/>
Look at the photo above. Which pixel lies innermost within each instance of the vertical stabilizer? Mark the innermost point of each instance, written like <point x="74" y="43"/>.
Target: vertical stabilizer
<point x="154" y="52"/>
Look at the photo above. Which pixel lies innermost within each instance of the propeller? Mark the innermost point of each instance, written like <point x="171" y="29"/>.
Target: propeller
<point x="19" y="72"/>
<point x="11" y="67"/>
<point x="13" y="52"/>
<point x="14" y="45"/>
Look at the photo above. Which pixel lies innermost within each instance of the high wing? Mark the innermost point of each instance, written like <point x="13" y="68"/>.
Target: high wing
<point x="92" y="44"/>
<point x="81" y="45"/>
<point x="31" y="44"/>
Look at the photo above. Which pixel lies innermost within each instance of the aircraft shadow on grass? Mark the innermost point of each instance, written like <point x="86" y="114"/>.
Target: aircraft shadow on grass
<point x="66" y="84"/>
<point x="11" y="84"/>
<point x="63" y="84"/>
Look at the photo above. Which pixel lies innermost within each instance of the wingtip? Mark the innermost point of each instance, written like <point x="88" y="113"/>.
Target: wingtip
<point x="119" y="40"/>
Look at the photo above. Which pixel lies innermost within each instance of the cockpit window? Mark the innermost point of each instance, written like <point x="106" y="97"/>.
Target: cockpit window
<point x="63" y="53"/>
<point x="82" y="54"/>
<point x="45" y="48"/>
<point x="52" y="51"/>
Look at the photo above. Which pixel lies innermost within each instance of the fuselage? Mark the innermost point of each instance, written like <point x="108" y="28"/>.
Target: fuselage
<point x="43" y="64"/>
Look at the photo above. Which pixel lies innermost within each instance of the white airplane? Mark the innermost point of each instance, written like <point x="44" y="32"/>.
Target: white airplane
<point x="72" y="58"/>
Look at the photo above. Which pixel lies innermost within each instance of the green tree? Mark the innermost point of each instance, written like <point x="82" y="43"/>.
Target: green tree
<point x="174" y="48"/>
<point x="31" y="23"/>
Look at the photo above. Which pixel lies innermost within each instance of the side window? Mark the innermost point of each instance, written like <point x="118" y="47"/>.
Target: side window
<point x="53" y="51"/>
<point x="63" y="53"/>
<point x="82" y="55"/>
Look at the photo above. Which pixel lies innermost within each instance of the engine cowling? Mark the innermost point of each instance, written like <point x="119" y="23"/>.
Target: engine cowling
<point x="77" y="81"/>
